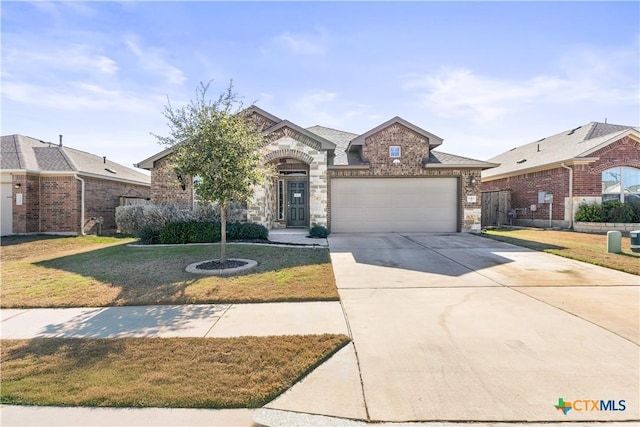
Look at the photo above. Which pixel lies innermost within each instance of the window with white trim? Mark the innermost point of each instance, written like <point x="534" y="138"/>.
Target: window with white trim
<point x="621" y="183"/>
<point x="395" y="151"/>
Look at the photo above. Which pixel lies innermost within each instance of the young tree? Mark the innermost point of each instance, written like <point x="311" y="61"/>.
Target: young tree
<point x="216" y="142"/>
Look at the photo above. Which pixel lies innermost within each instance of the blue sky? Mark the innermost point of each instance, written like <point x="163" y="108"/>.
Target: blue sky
<point x="485" y="76"/>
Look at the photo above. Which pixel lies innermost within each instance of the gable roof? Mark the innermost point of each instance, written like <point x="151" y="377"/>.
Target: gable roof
<point x="571" y="145"/>
<point x="261" y="112"/>
<point x="438" y="159"/>
<point x="434" y="140"/>
<point x="341" y="139"/>
<point x="23" y="153"/>
<point x="324" y="143"/>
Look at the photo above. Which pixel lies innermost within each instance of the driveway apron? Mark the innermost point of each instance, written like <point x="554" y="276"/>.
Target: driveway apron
<point x="457" y="327"/>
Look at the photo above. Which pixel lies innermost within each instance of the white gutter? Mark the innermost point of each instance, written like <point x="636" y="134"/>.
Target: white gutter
<point x="570" y="194"/>
<point x="75" y="175"/>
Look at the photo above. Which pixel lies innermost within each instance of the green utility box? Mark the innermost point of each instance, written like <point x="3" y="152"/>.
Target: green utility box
<point x="635" y="240"/>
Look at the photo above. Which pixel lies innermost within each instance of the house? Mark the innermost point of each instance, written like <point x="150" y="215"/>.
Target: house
<point x="50" y="188"/>
<point x="391" y="178"/>
<point x="548" y="178"/>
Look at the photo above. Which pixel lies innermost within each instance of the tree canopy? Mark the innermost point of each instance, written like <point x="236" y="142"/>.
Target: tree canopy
<point x="215" y="141"/>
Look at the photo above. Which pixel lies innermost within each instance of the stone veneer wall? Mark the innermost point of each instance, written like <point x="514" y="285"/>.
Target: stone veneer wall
<point x="286" y="143"/>
<point x="603" y="227"/>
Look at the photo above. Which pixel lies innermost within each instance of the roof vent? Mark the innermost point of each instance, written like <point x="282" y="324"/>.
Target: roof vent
<point x="110" y="170"/>
<point x="521" y="161"/>
<point x="573" y="130"/>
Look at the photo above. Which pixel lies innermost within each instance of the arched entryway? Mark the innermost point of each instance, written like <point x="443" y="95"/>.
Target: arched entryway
<point x="292" y="193"/>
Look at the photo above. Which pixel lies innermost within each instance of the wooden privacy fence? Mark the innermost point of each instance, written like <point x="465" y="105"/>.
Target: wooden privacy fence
<point x="495" y="208"/>
<point x="129" y="201"/>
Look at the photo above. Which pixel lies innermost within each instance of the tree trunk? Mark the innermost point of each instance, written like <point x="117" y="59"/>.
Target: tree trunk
<point x="223" y="232"/>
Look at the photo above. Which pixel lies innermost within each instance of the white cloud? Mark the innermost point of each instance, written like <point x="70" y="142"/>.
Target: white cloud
<point x="589" y="76"/>
<point x="152" y="59"/>
<point x="326" y="108"/>
<point x="77" y="96"/>
<point x="315" y="43"/>
<point x="75" y="58"/>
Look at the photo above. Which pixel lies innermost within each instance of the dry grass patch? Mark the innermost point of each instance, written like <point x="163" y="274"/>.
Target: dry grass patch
<point x="159" y="372"/>
<point x="591" y="248"/>
<point x="122" y="275"/>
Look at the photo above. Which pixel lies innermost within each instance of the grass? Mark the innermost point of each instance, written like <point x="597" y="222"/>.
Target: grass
<point x="591" y="248"/>
<point x="159" y="372"/>
<point x="92" y="272"/>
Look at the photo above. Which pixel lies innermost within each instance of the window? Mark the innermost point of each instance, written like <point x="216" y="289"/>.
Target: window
<point x="621" y="184"/>
<point x="394" y="151"/>
<point x="280" y="200"/>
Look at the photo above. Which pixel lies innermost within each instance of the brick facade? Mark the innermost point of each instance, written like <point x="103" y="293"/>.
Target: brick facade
<point x="101" y="199"/>
<point x="587" y="184"/>
<point x="52" y="204"/>
<point x="414" y="148"/>
<point x="166" y="188"/>
<point x="287" y="144"/>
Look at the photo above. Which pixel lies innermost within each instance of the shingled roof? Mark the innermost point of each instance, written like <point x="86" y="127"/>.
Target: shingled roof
<point x="571" y="144"/>
<point x="23" y="153"/>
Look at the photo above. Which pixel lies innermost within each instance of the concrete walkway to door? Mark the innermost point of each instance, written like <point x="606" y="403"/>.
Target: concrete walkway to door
<point x="457" y="327"/>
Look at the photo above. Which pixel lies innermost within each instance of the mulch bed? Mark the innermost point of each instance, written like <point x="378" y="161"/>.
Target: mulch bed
<point x="217" y="265"/>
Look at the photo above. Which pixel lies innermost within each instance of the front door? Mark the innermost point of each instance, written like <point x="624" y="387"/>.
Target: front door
<point x="297" y="204"/>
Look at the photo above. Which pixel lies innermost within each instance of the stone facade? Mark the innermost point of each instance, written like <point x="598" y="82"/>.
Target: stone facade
<point x="306" y="154"/>
<point x="282" y="145"/>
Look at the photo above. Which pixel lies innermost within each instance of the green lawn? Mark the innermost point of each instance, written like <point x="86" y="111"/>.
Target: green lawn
<point x="159" y="372"/>
<point x="90" y="271"/>
<point x="591" y="248"/>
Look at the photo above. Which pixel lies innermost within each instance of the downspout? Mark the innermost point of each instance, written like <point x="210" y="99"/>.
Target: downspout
<point x="570" y="194"/>
<point x="81" y="204"/>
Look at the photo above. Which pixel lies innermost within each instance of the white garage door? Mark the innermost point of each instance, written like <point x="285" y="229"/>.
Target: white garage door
<point x="394" y="204"/>
<point x="6" y="214"/>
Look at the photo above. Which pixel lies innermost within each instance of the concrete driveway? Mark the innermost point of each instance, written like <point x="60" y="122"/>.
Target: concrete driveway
<point x="457" y="327"/>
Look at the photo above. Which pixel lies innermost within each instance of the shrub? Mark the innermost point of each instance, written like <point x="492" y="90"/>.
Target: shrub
<point x="133" y="219"/>
<point x="148" y="236"/>
<point x="318" y="231"/>
<point x="591" y="212"/>
<point x="247" y="231"/>
<point x="611" y="211"/>
<point x="614" y="211"/>
<point x="209" y="232"/>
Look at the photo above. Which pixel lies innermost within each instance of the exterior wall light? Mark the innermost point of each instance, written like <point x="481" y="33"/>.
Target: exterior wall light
<point x="396" y="161"/>
<point x="17" y="186"/>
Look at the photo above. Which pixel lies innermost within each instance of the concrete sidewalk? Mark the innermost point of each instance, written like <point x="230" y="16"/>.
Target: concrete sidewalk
<point x="215" y="320"/>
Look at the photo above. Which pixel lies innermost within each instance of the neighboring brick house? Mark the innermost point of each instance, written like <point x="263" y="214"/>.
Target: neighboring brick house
<point x="591" y="163"/>
<point x="390" y="178"/>
<point x="50" y="188"/>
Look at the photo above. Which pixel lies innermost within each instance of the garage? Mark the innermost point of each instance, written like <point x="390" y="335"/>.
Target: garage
<point x="394" y="204"/>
